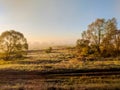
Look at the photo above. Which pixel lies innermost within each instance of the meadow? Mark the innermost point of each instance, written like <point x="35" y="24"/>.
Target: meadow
<point x="59" y="70"/>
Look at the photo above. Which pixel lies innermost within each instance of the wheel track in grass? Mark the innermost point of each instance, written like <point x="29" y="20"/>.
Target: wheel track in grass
<point x="63" y="72"/>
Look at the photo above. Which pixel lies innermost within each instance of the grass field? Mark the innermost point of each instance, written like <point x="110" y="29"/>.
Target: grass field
<point x="59" y="70"/>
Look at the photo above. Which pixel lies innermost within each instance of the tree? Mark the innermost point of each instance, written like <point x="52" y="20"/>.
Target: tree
<point x="103" y="36"/>
<point x="95" y="33"/>
<point x="117" y="42"/>
<point x="82" y="47"/>
<point x="111" y="40"/>
<point x="13" y="44"/>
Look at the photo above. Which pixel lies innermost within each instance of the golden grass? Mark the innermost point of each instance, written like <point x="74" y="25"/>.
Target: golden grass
<point x="41" y="61"/>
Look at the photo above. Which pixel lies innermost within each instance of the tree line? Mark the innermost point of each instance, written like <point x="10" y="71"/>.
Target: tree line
<point x="102" y="38"/>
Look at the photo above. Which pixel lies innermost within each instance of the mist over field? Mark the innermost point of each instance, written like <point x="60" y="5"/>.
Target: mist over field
<point x="44" y="45"/>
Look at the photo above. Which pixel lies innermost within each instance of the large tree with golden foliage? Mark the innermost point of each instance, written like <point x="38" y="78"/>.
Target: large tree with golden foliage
<point x="12" y="44"/>
<point x="103" y="37"/>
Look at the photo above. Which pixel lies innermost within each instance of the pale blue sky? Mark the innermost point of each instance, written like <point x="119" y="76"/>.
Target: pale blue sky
<point x="54" y="20"/>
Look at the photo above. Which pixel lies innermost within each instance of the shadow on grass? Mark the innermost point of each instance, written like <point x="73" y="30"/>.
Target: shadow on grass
<point x="40" y="62"/>
<point x="66" y="72"/>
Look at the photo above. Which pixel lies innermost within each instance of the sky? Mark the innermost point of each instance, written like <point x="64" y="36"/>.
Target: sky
<point x="54" y="21"/>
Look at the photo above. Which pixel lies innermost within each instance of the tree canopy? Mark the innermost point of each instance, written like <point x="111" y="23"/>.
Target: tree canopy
<point x="103" y="37"/>
<point x="12" y="44"/>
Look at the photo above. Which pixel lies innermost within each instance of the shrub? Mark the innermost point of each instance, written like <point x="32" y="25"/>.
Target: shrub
<point x="49" y="50"/>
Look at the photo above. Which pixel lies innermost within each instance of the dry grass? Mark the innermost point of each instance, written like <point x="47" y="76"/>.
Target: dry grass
<point x="37" y="82"/>
<point x="41" y="61"/>
<point x="58" y="60"/>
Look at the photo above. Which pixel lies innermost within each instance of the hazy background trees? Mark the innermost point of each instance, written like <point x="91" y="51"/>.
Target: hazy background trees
<point x="103" y="37"/>
<point x="12" y="44"/>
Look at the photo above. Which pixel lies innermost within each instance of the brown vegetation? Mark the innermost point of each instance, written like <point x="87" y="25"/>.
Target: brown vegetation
<point x="101" y="39"/>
